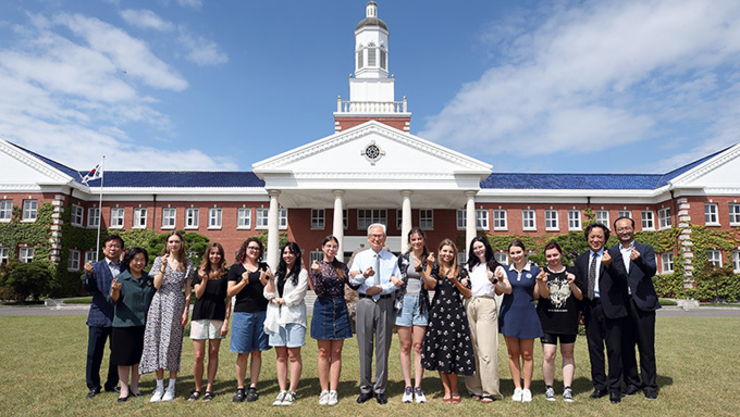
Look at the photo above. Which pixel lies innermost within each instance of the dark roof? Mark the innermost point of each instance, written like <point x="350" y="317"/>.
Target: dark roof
<point x="179" y="179"/>
<point x="571" y="181"/>
<point x="678" y="171"/>
<point x="61" y="167"/>
<point x="371" y="21"/>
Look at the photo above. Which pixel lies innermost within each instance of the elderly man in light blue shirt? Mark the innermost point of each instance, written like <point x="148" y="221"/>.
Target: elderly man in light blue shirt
<point x="376" y="272"/>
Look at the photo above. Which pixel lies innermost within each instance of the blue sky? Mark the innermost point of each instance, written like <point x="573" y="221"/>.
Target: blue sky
<point x="527" y="86"/>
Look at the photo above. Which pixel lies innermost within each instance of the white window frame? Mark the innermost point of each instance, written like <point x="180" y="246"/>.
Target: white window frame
<point x="551" y="220"/>
<point x="715" y="257"/>
<point x="73" y="260"/>
<point x="318" y="219"/>
<point x="283" y="219"/>
<point x="215" y="218"/>
<point x="25" y="255"/>
<point x="244" y="218"/>
<point x="481" y="219"/>
<point x="529" y="220"/>
<point x="139" y="218"/>
<point x="30" y="210"/>
<point x="345" y="218"/>
<point x="647" y="220"/>
<point x="4" y="255"/>
<point x="711" y="214"/>
<point x="736" y="261"/>
<point x="501" y="257"/>
<point x="366" y="217"/>
<point x="77" y="216"/>
<point x="664" y="218"/>
<point x="192" y="215"/>
<point x="602" y="216"/>
<point x="91" y="256"/>
<point x="6" y="211"/>
<point x="574" y="220"/>
<point x="426" y="219"/>
<point x="734" y="214"/>
<point x="624" y="213"/>
<point x="666" y="262"/>
<point x="117" y="217"/>
<point x="169" y="217"/>
<point x="262" y="218"/>
<point x="315" y="255"/>
<point x="499" y="220"/>
<point x="93" y="217"/>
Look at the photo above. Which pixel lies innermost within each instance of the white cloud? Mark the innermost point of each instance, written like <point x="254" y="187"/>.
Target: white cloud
<point x="146" y="19"/>
<point x="201" y="51"/>
<point x="193" y="4"/>
<point x="597" y="75"/>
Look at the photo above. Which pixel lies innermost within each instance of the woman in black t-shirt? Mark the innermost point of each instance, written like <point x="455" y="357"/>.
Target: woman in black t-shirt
<point x="557" y="308"/>
<point x="210" y="317"/>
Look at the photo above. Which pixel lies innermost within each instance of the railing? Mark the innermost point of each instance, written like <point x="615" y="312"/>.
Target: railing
<point x="371" y="107"/>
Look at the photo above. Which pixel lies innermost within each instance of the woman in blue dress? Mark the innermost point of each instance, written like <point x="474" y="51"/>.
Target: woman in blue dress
<point x="518" y="320"/>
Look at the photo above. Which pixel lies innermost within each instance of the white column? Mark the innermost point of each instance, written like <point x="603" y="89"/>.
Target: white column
<point x="470" y="230"/>
<point x="273" y="231"/>
<point x="338" y="225"/>
<point x="405" y="219"/>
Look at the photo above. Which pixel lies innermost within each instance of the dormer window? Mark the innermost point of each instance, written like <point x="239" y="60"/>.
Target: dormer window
<point x="371" y="56"/>
<point x="360" y="62"/>
<point x="382" y="59"/>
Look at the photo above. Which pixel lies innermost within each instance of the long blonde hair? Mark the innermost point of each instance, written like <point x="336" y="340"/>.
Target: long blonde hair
<point x="180" y="255"/>
<point x="443" y="269"/>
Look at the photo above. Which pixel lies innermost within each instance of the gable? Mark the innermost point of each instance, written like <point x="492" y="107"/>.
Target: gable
<point x="20" y="168"/>
<point x="722" y="172"/>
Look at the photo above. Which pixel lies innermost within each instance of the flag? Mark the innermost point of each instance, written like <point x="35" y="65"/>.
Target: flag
<point x="94" y="174"/>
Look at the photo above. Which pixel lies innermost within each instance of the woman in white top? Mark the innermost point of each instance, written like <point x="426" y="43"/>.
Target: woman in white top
<point x="487" y="279"/>
<point x="286" y="319"/>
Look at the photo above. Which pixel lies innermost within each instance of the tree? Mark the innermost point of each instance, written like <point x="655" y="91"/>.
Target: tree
<point x="20" y="280"/>
<point x="195" y="245"/>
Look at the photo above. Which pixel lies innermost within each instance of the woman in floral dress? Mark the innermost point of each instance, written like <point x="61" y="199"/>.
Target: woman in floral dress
<point x="168" y="314"/>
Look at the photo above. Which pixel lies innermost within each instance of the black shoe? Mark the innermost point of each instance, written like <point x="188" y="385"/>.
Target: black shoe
<point x="598" y="393"/>
<point x="93" y="392"/>
<point x="364" y="397"/>
<point x="252" y="394"/>
<point x="651" y="394"/>
<point x="381" y="399"/>
<point x="239" y="396"/>
<point x="614" y="397"/>
<point x="122" y="399"/>
<point x="630" y="391"/>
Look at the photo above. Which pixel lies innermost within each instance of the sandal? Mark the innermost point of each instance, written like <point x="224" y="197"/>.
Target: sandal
<point x="252" y="394"/>
<point x="486" y="399"/>
<point x="208" y="397"/>
<point x="475" y="397"/>
<point x="447" y="400"/>
<point x="194" y="395"/>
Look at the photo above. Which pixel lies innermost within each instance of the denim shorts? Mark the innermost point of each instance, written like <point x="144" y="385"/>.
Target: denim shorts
<point x="206" y="329"/>
<point x="330" y="319"/>
<point x="247" y="334"/>
<point x="410" y="315"/>
<point x="293" y="335"/>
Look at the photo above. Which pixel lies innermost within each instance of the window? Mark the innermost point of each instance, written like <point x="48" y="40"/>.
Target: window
<point x="624" y="213"/>
<point x="734" y="214"/>
<point x="602" y="216"/>
<point x="667" y="262"/>
<point x="551" y="220"/>
<point x="345" y="218"/>
<point x="715" y="257"/>
<point x="735" y="261"/>
<point x="77" y="214"/>
<point x="116" y="218"/>
<point x="25" y="255"/>
<point x="501" y="257"/>
<point x="574" y="220"/>
<point x="372" y="57"/>
<point x="73" y="261"/>
<point x="263" y="215"/>
<point x="710" y="214"/>
<point x="664" y="218"/>
<point x="139" y="218"/>
<point x="214" y="218"/>
<point x="244" y="218"/>
<point x="367" y="217"/>
<point x="462" y="258"/>
<point x="647" y="220"/>
<point x="283" y="219"/>
<point x="382" y="59"/>
<point x="426" y="219"/>
<point x="315" y="255"/>
<point x="499" y="220"/>
<point x="318" y="219"/>
<point x="91" y="256"/>
<point x="93" y="217"/>
<point x="528" y="220"/>
<point x="3" y="255"/>
<point x="481" y="219"/>
<point x="191" y="218"/>
<point x="168" y="218"/>
<point x="6" y="210"/>
<point x="359" y="59"/>
<point x="30" y="210"/>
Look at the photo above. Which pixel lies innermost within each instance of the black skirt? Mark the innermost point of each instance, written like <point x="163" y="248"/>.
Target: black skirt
<point x="127" y="344"/>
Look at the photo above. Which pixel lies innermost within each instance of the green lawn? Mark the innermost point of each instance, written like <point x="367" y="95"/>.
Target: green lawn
<point x="42" y="361"/>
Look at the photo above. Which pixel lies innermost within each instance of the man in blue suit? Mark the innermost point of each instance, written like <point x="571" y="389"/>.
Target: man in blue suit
<point x="97" y="280"/>
<point x="635" y="262"/>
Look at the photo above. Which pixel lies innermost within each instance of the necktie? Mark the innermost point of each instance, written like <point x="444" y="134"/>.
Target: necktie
<point x="592" y="277"/>
<point x="376" y="277"/>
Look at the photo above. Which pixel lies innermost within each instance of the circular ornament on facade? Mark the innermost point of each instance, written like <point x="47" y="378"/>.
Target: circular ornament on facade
<point x="372" y="152"/>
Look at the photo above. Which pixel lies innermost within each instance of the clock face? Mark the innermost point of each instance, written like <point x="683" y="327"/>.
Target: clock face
<point x="372" y="152"/>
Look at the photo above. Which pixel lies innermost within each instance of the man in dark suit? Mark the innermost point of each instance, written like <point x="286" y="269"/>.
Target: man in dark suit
<point x="635" y="263"/>
<point x="97" y="280"/>
<point x="604" y="311"/>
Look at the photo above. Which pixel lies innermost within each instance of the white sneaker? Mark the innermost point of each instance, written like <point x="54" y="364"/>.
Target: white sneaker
<point x="419" y="395"/>
<point x="517" y="395"/>
<point x="289" y="398"/>
<point x="550" y="394"/>
<point x="408" y="395"/>
<point x="333" y="400"/>
<point x="568" y="395"/>
<point x="169" y="394"/>
<point x="157" y="395"/>
<point x="280" y="397"/>
<point x="526" y="396"/>
<point x="324" y="397"/>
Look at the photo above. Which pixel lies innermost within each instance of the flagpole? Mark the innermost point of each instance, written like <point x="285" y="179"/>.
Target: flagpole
<point x="100" y="205"/>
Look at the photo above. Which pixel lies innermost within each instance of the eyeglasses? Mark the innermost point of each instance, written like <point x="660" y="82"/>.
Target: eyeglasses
<point x="253" y="248"/>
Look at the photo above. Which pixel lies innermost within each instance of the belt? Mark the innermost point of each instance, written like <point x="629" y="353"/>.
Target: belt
<point x="382" y="297"/>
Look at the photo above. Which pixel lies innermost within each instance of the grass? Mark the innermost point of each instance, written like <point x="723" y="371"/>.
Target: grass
<point x="667" y="302"/>
<point x="77" y="300"/>
<point x="42" y="361"/>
